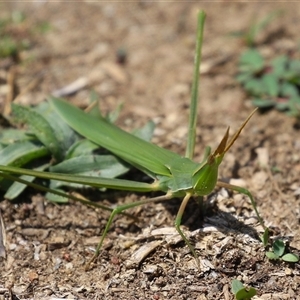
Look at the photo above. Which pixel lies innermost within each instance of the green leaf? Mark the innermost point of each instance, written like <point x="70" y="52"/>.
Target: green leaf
<point x="294" y="65"/>
<point x="18" y="17"/>
<point x="288" y="89"/>
<point x="106" y="166"/>
<point x="293" y="74"/>
<point x="283" y="105"/>
<point x="56" y="198"/>
<point x="244" y="293"/>
<point x="255" y="87"/>
<point x="279" y="66"/>
<point x="11" y="135"/>
<point x="271" y="84"/>
<point x="244" y="77"/>
<point x="113" y="115"/>
<point x="8" y="46"/>
<point x="146" y="132"/>
<point x="263" y="103"/>
<point x="40" y="127"/>
<point x="236" y="286"/>
<point x="265" y="237"/>
<point x="17" y="188"/>
<point x="94" y="100"/>
<point x="290" y="257"/>
<point x="294" y="106"/>
<point x="63" y="133"/>
<point x="82" y="147"/>
<point x="259" y="26"/>
<point x="20" y="153"/>
<point x="271" y="255"/>
<point x="251" y="61"/>
<point x="278" y="247"/>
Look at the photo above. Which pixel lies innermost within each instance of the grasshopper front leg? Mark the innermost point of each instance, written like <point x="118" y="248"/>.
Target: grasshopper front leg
<point x="178" y="223"/>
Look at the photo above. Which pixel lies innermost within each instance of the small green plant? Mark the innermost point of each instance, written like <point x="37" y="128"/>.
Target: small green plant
<point x="278" y="252"/>
<point x="241" y="292"/>
<point x="8" y="46"/>
<point x="249" y="36"/>
<point x="265" y="237"/>
<point x="43" y="27"/>
<point x="271" y="84"/>
<point x="278" y="249"/>
<point x="16" y="34"/>
<point x="10" y="42"/>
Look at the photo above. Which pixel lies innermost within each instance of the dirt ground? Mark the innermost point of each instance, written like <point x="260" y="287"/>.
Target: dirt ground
<point x="48" y="245"/>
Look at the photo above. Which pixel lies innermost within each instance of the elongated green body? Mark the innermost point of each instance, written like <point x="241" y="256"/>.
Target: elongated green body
<point x="174" y="173"/>
<point x="141" y="154"/>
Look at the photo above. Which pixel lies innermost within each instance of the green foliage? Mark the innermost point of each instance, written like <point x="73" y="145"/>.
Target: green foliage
<point x="48" y="143"/>
<point x="279" y="250"/>
<point x="8" y="46"/>
<point x="241" y="292"/>
<point x="265" y="237"/>
<point x="10" y="43"/>
<point x="43" y="27"/>
<point x="249" y="36"/>
<point x="274" y="84"/>
<point x="16" y="33"/>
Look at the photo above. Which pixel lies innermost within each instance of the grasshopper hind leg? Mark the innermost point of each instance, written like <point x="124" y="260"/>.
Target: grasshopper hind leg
<point x="178" y="223"/>
<point x="119" y="210"/>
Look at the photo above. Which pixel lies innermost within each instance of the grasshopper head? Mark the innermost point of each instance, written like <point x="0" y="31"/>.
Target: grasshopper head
<point x="205" y="178"/>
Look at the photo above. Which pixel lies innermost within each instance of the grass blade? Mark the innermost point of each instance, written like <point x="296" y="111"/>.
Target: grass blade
<point x="18" y="154"/>
<point x="194" y="97"/>
<point x="40" y="127"/>
<point x="65" y="136"/>
<point x="107" y="166"/>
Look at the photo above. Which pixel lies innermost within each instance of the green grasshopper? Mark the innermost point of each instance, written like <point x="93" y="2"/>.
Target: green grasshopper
<point x="173" y="174"/>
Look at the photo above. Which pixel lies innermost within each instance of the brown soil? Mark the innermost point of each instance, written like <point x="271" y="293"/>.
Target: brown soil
<point x="48" y="245"/>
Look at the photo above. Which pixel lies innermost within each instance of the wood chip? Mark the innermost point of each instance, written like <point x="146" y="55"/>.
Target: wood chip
<point x="262" y="157"/>
<point x="139" y="255"/>
<point x="115" y="72"/>
<point x="259" y="180"/>
<point x="71" y="88"/>
<point x="2" y="238"/>
<point x="5" y="293"/>
<point x="32" y="276"/>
